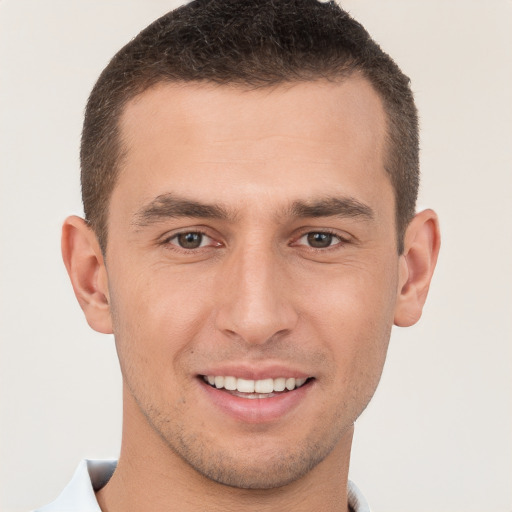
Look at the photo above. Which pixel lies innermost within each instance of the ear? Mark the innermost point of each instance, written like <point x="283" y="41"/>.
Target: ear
<point x="421" y="246"/>
<point x="86" y="268"/>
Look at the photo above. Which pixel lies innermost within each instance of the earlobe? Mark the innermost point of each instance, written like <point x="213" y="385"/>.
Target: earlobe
<point x="417" y="264"/>
<point x="86" y="268"/>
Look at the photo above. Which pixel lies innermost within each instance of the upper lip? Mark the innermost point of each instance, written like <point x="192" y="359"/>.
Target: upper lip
<point x="256" y="371"/>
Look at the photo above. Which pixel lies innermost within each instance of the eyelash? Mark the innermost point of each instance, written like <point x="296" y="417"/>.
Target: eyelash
<point x="168" y="241"/>
<point x="341" y="240"/>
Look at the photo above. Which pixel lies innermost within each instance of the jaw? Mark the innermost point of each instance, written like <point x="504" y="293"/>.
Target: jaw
<point x="277" y="482"/>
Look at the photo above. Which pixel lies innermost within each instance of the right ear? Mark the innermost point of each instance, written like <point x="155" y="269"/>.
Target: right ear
<point x="84" y="262"/>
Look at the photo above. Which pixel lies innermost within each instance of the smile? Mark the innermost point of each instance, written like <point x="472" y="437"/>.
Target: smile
<point x="263" y="388"/>
<point x="256" y="401"/>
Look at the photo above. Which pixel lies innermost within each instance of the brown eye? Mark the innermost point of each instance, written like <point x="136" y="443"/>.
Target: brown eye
<point x="319" y="240"/>
<point x="190" y="240"/>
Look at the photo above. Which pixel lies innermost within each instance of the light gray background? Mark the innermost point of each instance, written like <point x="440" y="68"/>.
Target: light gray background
<point x="437" y="436"/>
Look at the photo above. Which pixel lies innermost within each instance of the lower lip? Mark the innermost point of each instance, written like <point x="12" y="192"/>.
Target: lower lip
<point x="256" y="410"/>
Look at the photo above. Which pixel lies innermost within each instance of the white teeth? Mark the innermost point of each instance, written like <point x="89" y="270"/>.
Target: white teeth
<point x="262" y="386"/>
<point x="280" y="384"/>
<point x="245" y="386"/>
<point x="230" y="383"/>
<point x="290" y="384"/>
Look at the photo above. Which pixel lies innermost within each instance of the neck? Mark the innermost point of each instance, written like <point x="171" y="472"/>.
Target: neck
<point x="150" y="476"/>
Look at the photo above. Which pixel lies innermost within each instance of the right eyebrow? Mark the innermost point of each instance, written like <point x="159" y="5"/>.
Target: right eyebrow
<point x="171" y="206"/>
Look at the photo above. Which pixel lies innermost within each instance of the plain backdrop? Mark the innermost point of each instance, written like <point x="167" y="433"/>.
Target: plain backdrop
<point x="437" y="436"/>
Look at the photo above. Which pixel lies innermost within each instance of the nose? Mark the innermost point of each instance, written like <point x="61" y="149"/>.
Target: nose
<point x="252" y="300"/>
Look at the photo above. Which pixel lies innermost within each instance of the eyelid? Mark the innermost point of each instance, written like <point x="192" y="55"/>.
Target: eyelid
<point x="343" y="238"/>
<point x="167" y="239"/>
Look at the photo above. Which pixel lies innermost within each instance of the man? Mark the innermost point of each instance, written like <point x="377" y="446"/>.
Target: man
<point x="249" y="179"/>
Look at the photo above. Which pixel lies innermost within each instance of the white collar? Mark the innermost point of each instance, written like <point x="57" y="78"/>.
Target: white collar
<point x="92" y="475"/>
<point x="78" y="495"/>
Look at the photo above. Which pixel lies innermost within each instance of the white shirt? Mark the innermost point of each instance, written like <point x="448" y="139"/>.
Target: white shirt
<point x="92" y="475"/>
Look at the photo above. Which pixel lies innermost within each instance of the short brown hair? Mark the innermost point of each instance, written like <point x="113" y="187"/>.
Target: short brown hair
<point x="254" y="44"/>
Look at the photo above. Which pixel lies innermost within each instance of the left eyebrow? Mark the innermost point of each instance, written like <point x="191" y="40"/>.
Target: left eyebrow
<point x="332" y="207"/>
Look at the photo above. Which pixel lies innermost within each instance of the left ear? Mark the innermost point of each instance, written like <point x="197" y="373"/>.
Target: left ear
<point x="421" y="247"/>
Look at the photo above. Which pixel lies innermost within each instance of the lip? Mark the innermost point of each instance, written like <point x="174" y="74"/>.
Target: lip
<point x="257" y="410"/>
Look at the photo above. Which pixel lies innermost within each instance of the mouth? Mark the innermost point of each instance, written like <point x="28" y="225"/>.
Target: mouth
<point x="255" y="389"/>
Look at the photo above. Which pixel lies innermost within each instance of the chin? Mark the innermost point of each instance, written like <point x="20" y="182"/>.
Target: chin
<point x="255" y="467"/>
<point x="261" y="475"/>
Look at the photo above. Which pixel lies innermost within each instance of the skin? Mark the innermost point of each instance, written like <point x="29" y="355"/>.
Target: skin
<point x="254" y="294"/>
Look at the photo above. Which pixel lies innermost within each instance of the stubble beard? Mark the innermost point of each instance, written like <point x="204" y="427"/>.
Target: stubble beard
<point x="247" y="469"/>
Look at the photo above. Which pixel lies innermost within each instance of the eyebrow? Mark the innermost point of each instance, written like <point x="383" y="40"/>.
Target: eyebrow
<point x="332" y="207"/>
<point x="170" y="206"/>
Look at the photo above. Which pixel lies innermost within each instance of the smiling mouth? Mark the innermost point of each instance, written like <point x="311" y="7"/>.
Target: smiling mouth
<point x="264" y="388"/>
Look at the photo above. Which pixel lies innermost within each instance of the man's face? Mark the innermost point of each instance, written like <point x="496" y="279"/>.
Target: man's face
<point x="252" y="236"/>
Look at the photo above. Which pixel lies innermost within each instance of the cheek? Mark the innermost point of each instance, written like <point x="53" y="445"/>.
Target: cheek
<point x="352" y="293"/>
<point x="156" y="317"/>
<point x="352" y="314"/>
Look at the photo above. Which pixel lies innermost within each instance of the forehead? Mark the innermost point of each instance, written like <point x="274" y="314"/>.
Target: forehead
<point x="206" y="140"/>
<point x="197" y="113"/>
